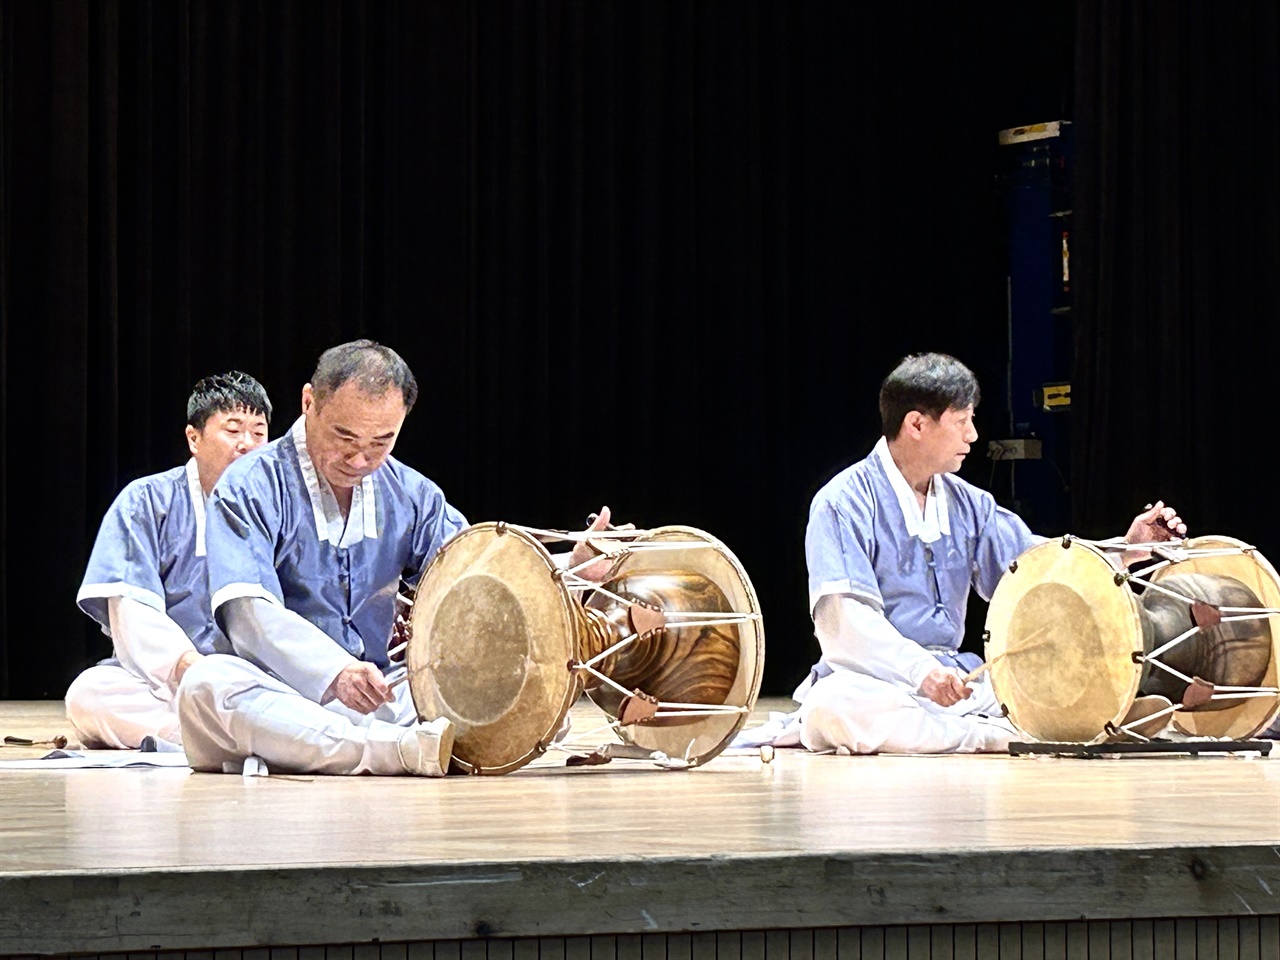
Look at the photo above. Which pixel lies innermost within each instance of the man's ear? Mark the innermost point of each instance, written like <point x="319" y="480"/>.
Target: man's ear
<point x="308" y="398"/>
<point x="193" y="439"/>
<point x="913" y="423"/>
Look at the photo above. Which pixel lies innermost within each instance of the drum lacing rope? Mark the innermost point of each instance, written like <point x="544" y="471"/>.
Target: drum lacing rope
<point x="1126" y="728"/>
<point x="1251" y="613"/>
<point x="1182" y="554"/>
<point x="1173" y="708"/>
<point x="609" y="651"/>
<point x="674" y="708"/>
<point x="674" y="618"/>
<point x="573" y="581"/>
<point x="1156" y="546"/>
<point x="576" y="582"/>
<point x="1221" y="692"/>
<point x="619" y="534"/>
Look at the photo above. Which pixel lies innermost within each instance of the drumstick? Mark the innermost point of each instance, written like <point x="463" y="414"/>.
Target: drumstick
<point x="983" y="668"/>
<point x="59" y="741"/>
<point x="978" y="671"/>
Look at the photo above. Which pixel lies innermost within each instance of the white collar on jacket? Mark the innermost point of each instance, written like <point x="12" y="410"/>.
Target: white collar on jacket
<point x="933" y="523"/>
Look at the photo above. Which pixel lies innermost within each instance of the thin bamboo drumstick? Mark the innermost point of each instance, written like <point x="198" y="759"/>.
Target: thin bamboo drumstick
<point x="984" y="667"/>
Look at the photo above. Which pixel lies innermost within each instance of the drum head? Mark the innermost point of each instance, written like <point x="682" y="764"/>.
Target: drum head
<point x="699" y="739"/>
<point x="492" y="637"/>
<point x="1253" y="715"/>
<point x="1065" y="634"/>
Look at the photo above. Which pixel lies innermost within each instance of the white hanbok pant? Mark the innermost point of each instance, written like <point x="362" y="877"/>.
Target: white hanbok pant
<point x="109" y="706"/>
<point x="854" y="713"/>
<point x="231" y="710"/>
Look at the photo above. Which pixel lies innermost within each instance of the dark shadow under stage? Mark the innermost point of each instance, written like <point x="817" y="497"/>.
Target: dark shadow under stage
<point x="806" y="856"/>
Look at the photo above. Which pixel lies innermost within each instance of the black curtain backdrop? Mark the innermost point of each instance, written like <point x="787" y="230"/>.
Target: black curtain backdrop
<point x="1177" y="246"/>
<point x="655" y="255"/>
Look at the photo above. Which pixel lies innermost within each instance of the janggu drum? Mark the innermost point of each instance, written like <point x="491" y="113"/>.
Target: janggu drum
<point x="669" y="644"/>
<point x="1081" y="650"/>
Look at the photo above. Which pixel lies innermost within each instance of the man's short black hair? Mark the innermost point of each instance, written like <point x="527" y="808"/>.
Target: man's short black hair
<point x="931" y="383"/>
<point x="373" y="368"/>
<point x="226" y="393"/>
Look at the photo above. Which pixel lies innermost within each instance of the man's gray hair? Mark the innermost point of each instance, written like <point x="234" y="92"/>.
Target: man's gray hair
<point x="372" y="367"/>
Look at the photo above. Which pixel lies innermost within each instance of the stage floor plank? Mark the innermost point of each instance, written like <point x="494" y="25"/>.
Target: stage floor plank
<point x="811" y="841"/>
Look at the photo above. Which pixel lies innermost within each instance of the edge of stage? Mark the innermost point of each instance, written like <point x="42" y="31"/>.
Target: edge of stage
<point x="145" y="860"/>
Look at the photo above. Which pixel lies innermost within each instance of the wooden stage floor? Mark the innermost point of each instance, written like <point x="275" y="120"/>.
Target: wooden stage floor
<point x="816" y="855"/>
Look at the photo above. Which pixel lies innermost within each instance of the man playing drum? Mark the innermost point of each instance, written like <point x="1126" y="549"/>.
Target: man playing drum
<point x="309" y="542"/>
<point x="894" y="545"/>
<point x="146" y="581"/>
